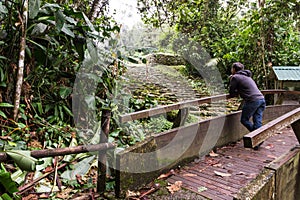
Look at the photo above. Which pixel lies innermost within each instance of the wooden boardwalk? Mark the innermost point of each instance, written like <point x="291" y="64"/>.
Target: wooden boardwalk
<point x="222" y="174"/>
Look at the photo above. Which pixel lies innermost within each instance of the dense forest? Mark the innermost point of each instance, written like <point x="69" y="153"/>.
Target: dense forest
<point x="61" y="62"/>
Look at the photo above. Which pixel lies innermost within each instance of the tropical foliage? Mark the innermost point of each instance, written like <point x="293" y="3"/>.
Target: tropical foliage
<point x="58" y="39"/>
<point x="259" y="34"/>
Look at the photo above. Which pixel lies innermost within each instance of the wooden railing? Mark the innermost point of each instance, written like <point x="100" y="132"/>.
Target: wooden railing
<point x="232" y="131"/>
<point x="259" y="135"/>
<point x="186" y="104"/>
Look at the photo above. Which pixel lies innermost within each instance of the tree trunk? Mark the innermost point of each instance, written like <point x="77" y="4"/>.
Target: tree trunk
<point x="20" y="74"/>
<point x="261" y="4"/>
<point x="97" y="7"/>
<point x="105" y="122"/>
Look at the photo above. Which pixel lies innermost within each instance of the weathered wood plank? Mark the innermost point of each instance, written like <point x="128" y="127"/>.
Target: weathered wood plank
<point x="185" y="104"/>
<point x="296" y="129"/>
<point x="168" y="108"/>
<point x="259" y="135"/>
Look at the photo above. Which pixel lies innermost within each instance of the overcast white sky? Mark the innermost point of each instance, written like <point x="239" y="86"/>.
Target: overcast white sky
<point x="126" y="11"/>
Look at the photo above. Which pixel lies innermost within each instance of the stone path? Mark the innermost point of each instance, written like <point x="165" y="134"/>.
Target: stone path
<point x="170" y="79"/>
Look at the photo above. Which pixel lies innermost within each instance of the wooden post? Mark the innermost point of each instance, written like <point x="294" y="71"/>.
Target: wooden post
<point x="101" y="181"/>
<point x="181" y="117"/>
<point x="296" y="129"/>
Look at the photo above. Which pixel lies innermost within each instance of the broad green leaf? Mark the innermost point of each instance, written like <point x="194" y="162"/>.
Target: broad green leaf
<point x="21" y="125"/>
<point x="22" y="159"/>
<point x="39" y="29"/>
<point x="71" y="20"/>
<point x="33" y="42"/>
<point x="39" y="107"/>
<point x="5" y="196"/>
<point x="3" y="9"/>
<point x="34" y="7"/>
<point x="64" y="92"/>
<point x="80" y="168"/>
<point x="59" y="20"/>
<point x="19" y="176"/>
<point x="67" y="31"/>
<point x="46" y="162"/>
<point x="67" y="110"/>
<point x="69" y="158"/>
<point x="90" y="25"/>
<point x="6" y="181"/>
<point x="2" y="114"/>
<point x="51" y="5"/>
<point x="7" y="105"/>
<point x="13" y="144"/>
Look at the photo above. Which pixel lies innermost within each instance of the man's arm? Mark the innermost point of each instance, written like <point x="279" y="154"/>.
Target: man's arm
<point x="233" y="92"/>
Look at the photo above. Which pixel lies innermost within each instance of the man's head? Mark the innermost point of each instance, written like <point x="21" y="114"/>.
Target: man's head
<point x="237" y="66"/>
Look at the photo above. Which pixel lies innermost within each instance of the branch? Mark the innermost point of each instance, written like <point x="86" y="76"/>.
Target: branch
<point x="64" y="151"/>
<point x="24" y="188"/>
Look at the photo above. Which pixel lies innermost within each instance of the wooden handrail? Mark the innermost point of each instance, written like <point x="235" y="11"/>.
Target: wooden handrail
<point x="176" y="106"/>
<point x="259" y="135"/>
<point x="168" y="108"/>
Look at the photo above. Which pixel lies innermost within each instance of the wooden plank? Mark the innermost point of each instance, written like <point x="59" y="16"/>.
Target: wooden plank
<point x="296" y="129"/>
<point x="279" y="91"/>
<point x="185" y="104"/>
<point x="168" y="108"/>
<point x="259" y="135"/>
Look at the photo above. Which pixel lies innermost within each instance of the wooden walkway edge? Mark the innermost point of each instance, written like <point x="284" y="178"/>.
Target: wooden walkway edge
<point x="228" y="173"/>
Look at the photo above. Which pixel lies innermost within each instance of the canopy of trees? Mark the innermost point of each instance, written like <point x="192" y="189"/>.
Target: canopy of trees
<point x="260" y="34"/>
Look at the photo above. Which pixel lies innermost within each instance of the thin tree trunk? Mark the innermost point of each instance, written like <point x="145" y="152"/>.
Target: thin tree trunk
<point x="97" y="7"/>
<point x="105" y="125"/>
<point x="263" y="42"/>
<point x="20" y="74"/>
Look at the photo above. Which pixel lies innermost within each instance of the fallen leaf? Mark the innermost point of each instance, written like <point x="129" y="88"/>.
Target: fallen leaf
<point x="189" y="175"/>
<point x="269" y="146"/>
<point x="163" y="176"/>
<point x="48" y="169"/>
<point x="218" y="165"/>
<point x="175" y="187"/>
<point x="64" y="194"/>
<point x="132" y="194"/>
<point x="241" y="173"/>
<point x="251" y="176"/>
<point x="213" y="154"/>
<point x="201" y="189"/>
<point x="271" y="156"/>
<point x="222" y="174"/>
